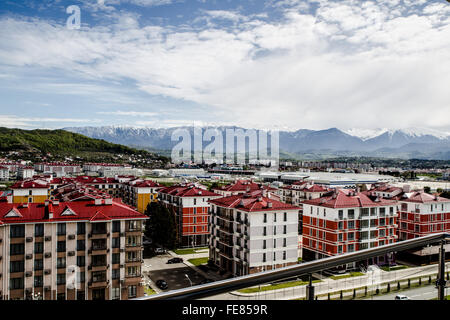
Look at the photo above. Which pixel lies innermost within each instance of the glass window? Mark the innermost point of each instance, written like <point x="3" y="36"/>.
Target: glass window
<point x="116" y="226"/>
<point x="17" y="231"/>
<point x="81" y="245"/>
<point x="116" y="273"/>
<point x="132" y="290"/>
<point x="38" y="281"/>
<point x="115" y="293"/>
<point x="81" y="261"/>
<point x="38" y="264"/>
<point x="17" y="248"/>
<point x="60" y="278"/>
<point x="61" y="246"/>
<point x="16" y="266"/>
<point x="38" y="247"/>
<point x="39" y="230"/>
<point x="81" y="228"/>
<point x="16" y="283"/>
<point x="61" y="229"/>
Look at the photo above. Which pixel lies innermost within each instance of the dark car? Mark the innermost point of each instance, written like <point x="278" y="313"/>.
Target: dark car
<point x="162" y="284"/>
<point x="175" y="260"/>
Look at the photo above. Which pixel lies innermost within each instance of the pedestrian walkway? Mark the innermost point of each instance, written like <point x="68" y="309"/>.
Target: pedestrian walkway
<point x="352" y="285"/>
<point x="186" y="257"/>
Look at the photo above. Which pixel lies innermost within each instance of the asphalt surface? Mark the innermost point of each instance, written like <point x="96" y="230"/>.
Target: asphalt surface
<point x="174" y="274"/>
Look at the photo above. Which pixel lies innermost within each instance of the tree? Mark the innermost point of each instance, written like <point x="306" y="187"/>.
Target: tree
<point x="445" y="194"/>
<point x="161" y="227"/>
<point x="427" y="189"/>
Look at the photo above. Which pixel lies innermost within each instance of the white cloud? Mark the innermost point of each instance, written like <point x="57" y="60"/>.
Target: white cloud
<point x="366" y="64"/>
<point x="129" y="113"/>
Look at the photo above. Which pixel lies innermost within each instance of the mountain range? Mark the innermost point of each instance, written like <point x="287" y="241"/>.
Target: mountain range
<point x="303" y="143"/>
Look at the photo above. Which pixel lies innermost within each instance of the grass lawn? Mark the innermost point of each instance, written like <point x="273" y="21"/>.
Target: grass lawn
<point x="276" y="286"/>
<point x="189" y="250"/>
<point x="199" y="261"/>
<point x="352" y="274"/>
<point x="394" y="268"/>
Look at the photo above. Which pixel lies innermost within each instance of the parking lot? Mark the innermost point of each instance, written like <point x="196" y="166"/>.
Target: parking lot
<point x="156" y="268"/>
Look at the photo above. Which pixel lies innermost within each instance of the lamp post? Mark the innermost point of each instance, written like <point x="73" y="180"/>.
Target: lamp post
<point x="188" y="279"/>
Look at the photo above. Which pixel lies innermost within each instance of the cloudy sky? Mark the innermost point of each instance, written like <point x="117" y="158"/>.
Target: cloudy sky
<point x="288" y="64"/>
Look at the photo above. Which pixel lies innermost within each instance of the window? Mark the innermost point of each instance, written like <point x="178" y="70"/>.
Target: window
<point x="341" y="225"/>
<point x="115" y="258"/>
<point x="39" y="230"/>
<point x="38" y="247"/>
<point x="99" y="228"/>
<point x="17" y="231"/>
<point x="284" y="229"/>
<point x="38" y="281"/>
<point x="81" y="228"/>
<point x="116" y="274"/>
<point x="285" y="216"/>
<point x="265" y="218"/>
<point x="115" y="293"/>
<point x="98" y="260"/>
<point x="341" y="214"/>
<point x="382" y="212"/>
<point x="81" y="277"/>
<point x="351" y="214"/>
<point x="61" y="229"/>
<point x="99" y="276"/>
<point x="351" y="224"/>
<point x="351" y="247"/>
<point x="81" y="245"/>
<point x="340" y="237"/>
<point x="81" y="261"/>
<point x="116" y="226"/>
<point x="264" y="257"/>
<point x="16" y="283"/>
<point x="38" y="264"/>
<point x="284" y="242"/>
<point x="284" y="255"/>
<point x="16" y="266"/>
<point x="116" y="242"/>
<point x="61" y="246"/>
<point x="275" y="217"/>
<point x="351" y="236"/>
<point x="61" y="262"/>
<point x="16" y="248"/>
<point x="132" y="291"/>
<point x="60" y="278"/>
<point x="132" y="271"/>
<point x="274" y="230"/>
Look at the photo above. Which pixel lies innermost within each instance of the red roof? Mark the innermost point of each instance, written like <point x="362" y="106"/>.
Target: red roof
<point x="188" y="191"/>
<point x="84" y="210"/>
<point x="140" y="183"/>
<point x="29" y="184"/>
<point x="316" y="188"/>
<point x="423" y="197"/>
<point x="243" y="185"/>
<point x="343" y="198"/>
<point x="247" y="202"/>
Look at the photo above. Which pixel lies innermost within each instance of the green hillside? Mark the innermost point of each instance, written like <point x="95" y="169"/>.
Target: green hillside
<point x="60" y="143"/>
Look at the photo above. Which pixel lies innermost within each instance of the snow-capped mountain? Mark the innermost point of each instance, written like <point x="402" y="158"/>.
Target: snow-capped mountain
<point x="403" y="143"/>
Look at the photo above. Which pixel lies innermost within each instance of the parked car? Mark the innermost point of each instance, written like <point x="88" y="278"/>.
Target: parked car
<point x="160" y="251"/>
<point x="402" y="297"/>
<point x="162" y="284"/>
<point x="175" y="260"/>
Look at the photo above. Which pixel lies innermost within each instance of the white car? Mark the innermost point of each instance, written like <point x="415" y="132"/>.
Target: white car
<point x="402" y="297"/>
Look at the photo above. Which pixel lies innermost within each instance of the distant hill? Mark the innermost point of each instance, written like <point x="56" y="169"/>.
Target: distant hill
<point x="63" y="143"/>
<point x="303" y="144"/>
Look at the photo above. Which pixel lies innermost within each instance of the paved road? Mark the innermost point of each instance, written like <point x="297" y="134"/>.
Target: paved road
<point x="156" y="268"/>
<point x="422" y="293"/>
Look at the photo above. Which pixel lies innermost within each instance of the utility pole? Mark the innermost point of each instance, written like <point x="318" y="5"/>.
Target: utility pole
<point x="310" y="290"/>
<point x="441" y="275"/>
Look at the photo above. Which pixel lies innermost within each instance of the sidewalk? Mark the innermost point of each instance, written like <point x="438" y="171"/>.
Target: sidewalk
<point x="334" y="287"/>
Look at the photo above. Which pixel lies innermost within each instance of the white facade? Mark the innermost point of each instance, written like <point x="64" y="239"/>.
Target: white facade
<point x="4" y="174"/>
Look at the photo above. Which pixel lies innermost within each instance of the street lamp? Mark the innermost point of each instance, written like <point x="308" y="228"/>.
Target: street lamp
<point x="188" y="279"/>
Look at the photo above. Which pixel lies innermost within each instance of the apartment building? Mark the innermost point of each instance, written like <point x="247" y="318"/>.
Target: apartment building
<point x="4" y="173"/>
<point x="251" y="234"/>
<point x="25" y="172"/>
<point x="28" y="191"/>
<point x="191" y="207"/>
<point x="82" y="250"/>
<point x="59" y="169"/>
<point x="139" y="193"/>
<point x="241" y="187"/>
<point x="422" y="214"/>
<point x="347" y="221"/>
<point x="299" y="191"/>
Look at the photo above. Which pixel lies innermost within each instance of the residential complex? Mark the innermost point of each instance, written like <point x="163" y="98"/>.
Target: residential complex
<point x="347" y="221"/>
<point x="251" y="234"/>
<point x="191" y="207"/>
<point x="81" y="250"/>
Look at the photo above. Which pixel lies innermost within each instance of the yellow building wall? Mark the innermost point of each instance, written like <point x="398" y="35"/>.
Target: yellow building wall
<point x="143" y="199"/>
<point x="24" y="199"/>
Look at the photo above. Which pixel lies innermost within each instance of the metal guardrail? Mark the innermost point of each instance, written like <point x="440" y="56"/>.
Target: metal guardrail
<point x="218" y="287"/>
